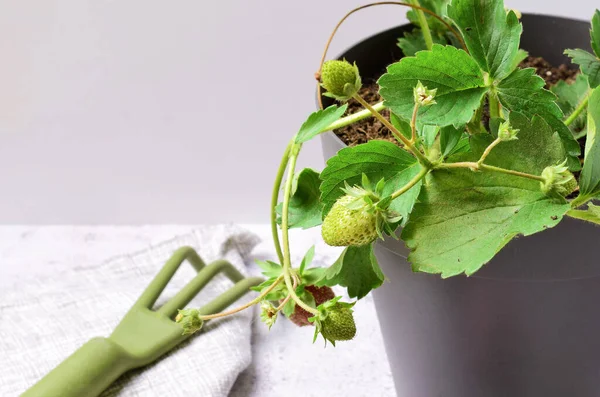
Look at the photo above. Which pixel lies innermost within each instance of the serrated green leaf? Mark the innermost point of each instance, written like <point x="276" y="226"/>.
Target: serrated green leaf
<point x="401" y="125"/>
<point x="357" y="269"/>
<point x="523" y="92"/>
<point x="589" y="181"/>
<point x="404" y="204"/>
<point x="413" y="42"/>
<point x="376" y="159"/>
<point x="595" y="33"/>
<point x="269" y="268"/>
<point x="570" y="95"/>
<point x="491" y="35"/>
<point x="288" y="308"/>
<point x="591" y="214"/>
<point x="449" y="138"/>
<point x="520" y="57"/>
<point x="318" y="121"/>
<point x="523" y="154"/>
<point x="464" y="218"/>
<point x="307" y="260"/>
<point x="571" y="146"/>
<point x="588" y="63"/>
<point x="312" y="275"/>
<point x="428" y="134"/>
<point x="455" y="75"/>
<point x="305" y="204"/>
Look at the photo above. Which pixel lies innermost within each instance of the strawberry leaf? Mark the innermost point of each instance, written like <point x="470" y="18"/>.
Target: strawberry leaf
<point x="523" y="92"/>
<point x="523" y="154"/>
<point x="269" y="268"/>
<point x="305" y="206"/>
<point x="307" y="260"/>
<point x="413" y="42"/>
<point x="491" y="35"/>
<point x="449" y="138"/>
<point x="588" y="63"/>
<point x="464" y="218"/>
<point x="591" y="214"/>
<point x="404" y="204"/>
<point x="569" y="97"/>
<point x="453" y="72"/>
<point x="375" y="159"/>
<point x="595" y="33"/>
<point x="589" y="181"/>
<point x="318" y="121"/>
<point x="357" y="269"/>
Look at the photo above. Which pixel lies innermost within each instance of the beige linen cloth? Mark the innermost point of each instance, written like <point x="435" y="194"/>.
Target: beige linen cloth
<point x="43" y="322"/>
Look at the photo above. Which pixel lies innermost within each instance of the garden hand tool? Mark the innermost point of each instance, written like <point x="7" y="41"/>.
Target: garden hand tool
<point x="144" y="334"/>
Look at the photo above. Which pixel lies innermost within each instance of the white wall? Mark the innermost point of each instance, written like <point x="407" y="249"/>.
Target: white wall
<point x="146" y="111"/>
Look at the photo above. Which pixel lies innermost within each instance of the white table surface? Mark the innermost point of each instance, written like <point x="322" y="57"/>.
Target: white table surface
<point x="285" y="362"/>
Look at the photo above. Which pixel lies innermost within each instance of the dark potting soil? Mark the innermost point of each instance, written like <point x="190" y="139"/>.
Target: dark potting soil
<point x="370" y="128"/>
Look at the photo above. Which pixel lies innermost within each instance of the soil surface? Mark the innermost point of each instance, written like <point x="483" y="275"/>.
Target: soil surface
<point x="370" y="128"/>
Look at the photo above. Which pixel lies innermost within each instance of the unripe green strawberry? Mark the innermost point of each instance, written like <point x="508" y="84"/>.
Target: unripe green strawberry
<point x="339" y="324"/>
<point x="558" y="180"/>
<point x="341" y="79"/>
<point x="320" y="294"/>
<point x="570" y="186"/>
<point x="343" y="227"/>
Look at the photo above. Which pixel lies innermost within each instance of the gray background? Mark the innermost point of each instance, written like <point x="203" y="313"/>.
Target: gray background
<point x="144" y="111"/>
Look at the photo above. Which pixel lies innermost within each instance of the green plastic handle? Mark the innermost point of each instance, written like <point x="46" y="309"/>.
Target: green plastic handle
<point x="87" y="372"/>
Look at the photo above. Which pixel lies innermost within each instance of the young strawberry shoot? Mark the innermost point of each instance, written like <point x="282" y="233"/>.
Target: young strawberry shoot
<point x="456" y="188"/>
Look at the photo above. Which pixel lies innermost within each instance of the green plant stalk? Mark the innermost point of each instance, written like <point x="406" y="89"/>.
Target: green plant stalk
<point x="420" y="156"/>
<point x="354" y="117"/>
<point x="247" y="305"/>
<point x="487" y="150"/>
<point x="424" y="171"/>
<point x="494" y="104"/>
<point x="580" y="200"/>
<point x="477" y="167"/>
<point x="287" y="193"/>
<point x="423" y="22"/>
<point x="582" y="105"/>
<point x="413" y="123"/>
<point x="275" y="199"/>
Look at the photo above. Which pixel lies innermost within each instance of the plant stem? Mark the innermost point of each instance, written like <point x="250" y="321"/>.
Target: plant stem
<point x="413" y="123"/>
<point x="511" y="172"/>
<point x="582" y="105"/>
<point x="410" y="183"/>
<point x="493" y="104"/>
<point x="476" y="167"/>
<point x="275" y="199"/>
<point x="294" y="151"/>
<point x="423" y="22"/>
<point x="580" y="200"/>
<point x="354" y="117"/>
<point x="287" y="298"/>
<point x="422" y="159"/>
<point x="247" y="305"/>
<point x="488" y="150"/>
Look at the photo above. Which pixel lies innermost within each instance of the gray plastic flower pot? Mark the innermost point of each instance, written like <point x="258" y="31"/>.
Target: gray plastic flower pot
<point x="528" y="323"/>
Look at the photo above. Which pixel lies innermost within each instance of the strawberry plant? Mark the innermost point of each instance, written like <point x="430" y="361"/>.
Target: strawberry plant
<point x="457" y="186"/>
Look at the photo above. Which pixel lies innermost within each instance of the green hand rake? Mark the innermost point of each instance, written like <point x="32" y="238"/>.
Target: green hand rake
<point x="143" y="335"/>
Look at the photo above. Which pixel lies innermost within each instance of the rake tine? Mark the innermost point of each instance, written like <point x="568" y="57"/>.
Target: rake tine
<point x="234" y="293"/>
<point x="191" y="289"/>
<point x="160" y="281"/>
